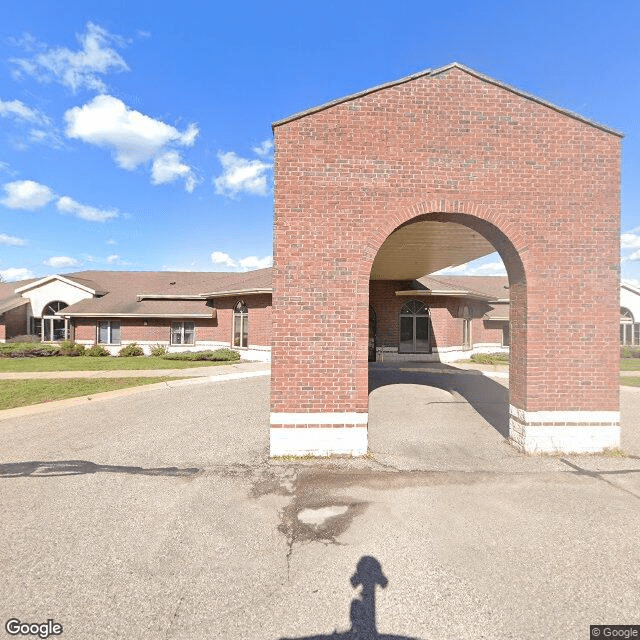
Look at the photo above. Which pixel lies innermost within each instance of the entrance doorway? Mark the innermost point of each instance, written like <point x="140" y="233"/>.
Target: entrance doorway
<point x="414" y="328"/>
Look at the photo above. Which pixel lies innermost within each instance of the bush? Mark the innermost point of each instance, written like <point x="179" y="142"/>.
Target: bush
<point x="96" y="351"/>
<point x="159" y="351"/>
<point x="490" y="358"/>
<point x="220" y="355"/>
<point x="28" y="350"/>
<point x="132" y="349"/>
<point x="70" y="348"/>
<point x="630" y="352"/>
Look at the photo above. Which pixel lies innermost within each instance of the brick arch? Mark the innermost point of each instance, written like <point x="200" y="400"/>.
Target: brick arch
<point x="507" y="239"/>
<point x="487" y="222"/>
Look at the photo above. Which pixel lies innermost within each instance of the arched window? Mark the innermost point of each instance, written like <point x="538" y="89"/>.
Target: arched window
<point x="49" y="326"/>
<point x="629" y="330"/>
<point x="240" y="324"/>
<point x="414" y="328"/>
<point x="53" y="307"/>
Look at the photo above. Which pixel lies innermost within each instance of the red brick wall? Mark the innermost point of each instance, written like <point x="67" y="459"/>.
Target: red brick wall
<point x="543" y="187"/>
<point x="445" y="323"/>
<point x="215" y="330"/>
<point x="14" y="322"/>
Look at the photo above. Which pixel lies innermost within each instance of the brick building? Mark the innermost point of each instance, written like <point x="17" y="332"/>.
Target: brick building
<point x="427" y="172"/>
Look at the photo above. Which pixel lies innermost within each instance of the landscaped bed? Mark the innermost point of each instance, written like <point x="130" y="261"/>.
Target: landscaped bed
<point x="21" y="393"/>
<point x="69" y="356"/>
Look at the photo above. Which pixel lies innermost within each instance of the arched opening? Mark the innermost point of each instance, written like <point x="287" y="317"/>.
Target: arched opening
<point x="629" y="329"/>
<point x="49" y="326"/>
<point x="427" y="322"/>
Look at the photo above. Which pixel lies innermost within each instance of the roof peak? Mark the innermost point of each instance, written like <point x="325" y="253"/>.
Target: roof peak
<point x="438" y="71"/>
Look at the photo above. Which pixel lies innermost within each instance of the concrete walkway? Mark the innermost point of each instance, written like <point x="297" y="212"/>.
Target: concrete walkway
<point x="191" y="372"/>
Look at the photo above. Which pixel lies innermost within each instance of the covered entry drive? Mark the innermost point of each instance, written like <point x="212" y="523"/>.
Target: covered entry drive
<point x="377" y="190"/>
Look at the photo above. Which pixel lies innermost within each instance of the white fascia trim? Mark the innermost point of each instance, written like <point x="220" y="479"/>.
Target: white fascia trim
<point x="319" y="418"/>
<point x="237" y="292"/>
<point x="582" y="417"/>
<point x="108" y="314"/>
<point x="320" y="441"/>
<point x="42" y="281"/>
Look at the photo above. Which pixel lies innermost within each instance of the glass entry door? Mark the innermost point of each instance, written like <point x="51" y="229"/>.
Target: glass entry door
<point x="414" y="328"/>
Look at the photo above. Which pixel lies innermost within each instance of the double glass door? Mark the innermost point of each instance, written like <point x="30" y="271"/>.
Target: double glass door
<point x="414" y="328"/>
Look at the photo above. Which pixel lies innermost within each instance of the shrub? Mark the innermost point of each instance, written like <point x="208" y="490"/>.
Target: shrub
<point x="159" y="351"/>
<point x="132" y="349"/>
<point x="70" y="348"/>
<point x="490" y="358"/>
<point x="220" y="355"/>
<point x="630" y="352"/>
<point x="96" y="351"/>
<point x="28" y="350"/>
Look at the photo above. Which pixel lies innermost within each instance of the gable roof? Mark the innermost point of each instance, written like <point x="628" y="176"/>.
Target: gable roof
<point x="438" y="71"/>
<point x="496" y="287"/>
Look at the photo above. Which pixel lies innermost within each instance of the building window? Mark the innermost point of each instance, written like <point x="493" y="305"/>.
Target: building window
<point x="183" y="332"/>
<point x="240" y="325"/>
<point x="51" y="327"/>
<point x="467" y="341"/>
<point x="629" y="330"/>
<point x="108" y="331"/>
<point x="506" y="335"/>
<point x="414" y="328"/>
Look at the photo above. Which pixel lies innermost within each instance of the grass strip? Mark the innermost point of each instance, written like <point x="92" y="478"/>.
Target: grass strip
<point x="22" y="393"/>
<point x="630" y="381"/>
<point x="629" y="364"/>
<point x="107" y="363"/>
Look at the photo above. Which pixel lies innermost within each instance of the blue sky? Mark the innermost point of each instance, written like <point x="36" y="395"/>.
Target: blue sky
<point x="138" y="136"/>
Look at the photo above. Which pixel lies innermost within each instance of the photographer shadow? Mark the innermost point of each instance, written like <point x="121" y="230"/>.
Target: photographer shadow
<point x="363" y="608"/>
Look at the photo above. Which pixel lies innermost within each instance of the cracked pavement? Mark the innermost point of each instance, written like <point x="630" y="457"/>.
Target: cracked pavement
<point x="160" y="515"/>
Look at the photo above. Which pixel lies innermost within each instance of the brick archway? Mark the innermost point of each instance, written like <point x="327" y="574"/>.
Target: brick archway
<point x="542" y="185"/>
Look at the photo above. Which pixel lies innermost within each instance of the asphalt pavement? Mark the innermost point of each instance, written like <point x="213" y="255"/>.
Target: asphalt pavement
<point x="159" y="515"/>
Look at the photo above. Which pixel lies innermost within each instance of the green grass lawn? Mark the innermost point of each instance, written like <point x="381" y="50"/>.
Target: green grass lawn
<point x="20" y="393"/>
<point x="630" y="382"/>
<point x="629" y="364"/>
<point x="106" y="363"/>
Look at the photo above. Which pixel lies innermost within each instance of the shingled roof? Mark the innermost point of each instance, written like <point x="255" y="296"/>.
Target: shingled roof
<point x="162" y="293"/>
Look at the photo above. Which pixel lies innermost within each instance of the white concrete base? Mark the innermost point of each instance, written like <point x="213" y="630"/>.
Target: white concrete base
<point x="564" y="431"/>
<point x="318" y="441"/>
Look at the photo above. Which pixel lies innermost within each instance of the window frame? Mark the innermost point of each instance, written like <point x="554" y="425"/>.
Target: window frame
<point x="182" y="331"/>
<point x="241" y="313"/>
<point x="110" y="324"/>
<point x="467" y="331"/>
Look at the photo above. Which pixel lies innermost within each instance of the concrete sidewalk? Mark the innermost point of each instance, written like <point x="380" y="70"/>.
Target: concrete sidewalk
<point x="191" y="372"/>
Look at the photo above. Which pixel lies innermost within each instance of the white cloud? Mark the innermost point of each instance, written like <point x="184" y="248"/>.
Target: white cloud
<point x="133" y="137"/>
<point x="253" y="262"/>
<point x="265" y="148"/>
<point x="26" y="195"/>
<point x="12" y="241"/>
<point x="633" y="257"/>
<point x="632" y="281"/>
<point x="61" y="261"/>
<point x="15" y="273"/>
<point x="495" y="268"/>
<point x="240" y="174"/>
<point x="74" y="69"/>
<point x="68" y="205"/>
<point x="169" y="167"/>
<point x="111" y="241"/>
<point x="20" y="111"/>
<point x="630" y="240"/>
<point x="221" y="258"/>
